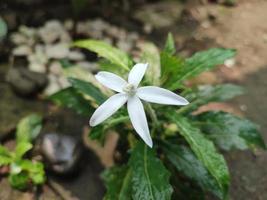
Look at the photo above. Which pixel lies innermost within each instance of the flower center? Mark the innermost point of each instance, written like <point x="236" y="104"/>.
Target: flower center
<point x="129" y="89"/>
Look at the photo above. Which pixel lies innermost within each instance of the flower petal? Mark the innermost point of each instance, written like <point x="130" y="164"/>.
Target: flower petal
<point x="111" y="81"/>
<point x="138" y="118"/>
<point x="159" y="95"/>
<point x="108" y="108"/>
<point x="137" y="73"/>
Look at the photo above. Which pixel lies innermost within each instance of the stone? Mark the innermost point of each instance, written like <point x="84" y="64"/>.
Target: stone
<point x="22" y="50"/>
<point x="57" y="51"/>
<point x="55" y="68"/>
<point x="25" y="82"/>
<point x="61" y="152"/>
<point x="76" y="55"/>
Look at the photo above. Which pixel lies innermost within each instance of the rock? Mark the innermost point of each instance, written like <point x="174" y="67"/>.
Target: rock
<point x="25" y="82"/>
<point x="22" y="50"/>
<point x="38" y="60"/>
<point x="55" y="68"/>
<point x="76" y="55"/>
<point x="159" y="15"/>
<point x="53" y="85"/>
<point x="61" y="152"/>
<point x="18" y="38"/>
<point x="88" y="66"/>
<point x="57" y="51"/>
<point x="53" y="31"/>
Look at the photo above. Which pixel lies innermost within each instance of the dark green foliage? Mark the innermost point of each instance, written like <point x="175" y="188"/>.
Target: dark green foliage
<point x="118" y="183"/>
<point x="70" y="98"/>
<point x="188" y="164"/>
<point x="229" y="131"/>
<point x="205" y="94"/>
<point x="200" y="62"/>
<point x="88" y="89"/>
<point x="204" y="150"/>
<point x="150" y="179"/>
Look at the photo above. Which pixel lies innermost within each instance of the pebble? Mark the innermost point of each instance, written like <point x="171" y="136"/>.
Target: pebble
<point x="61" y="152"/>
<point x="25" y="82"/>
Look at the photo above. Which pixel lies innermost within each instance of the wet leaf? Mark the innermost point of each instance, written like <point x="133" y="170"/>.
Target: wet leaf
<point x="187" y="163"/>
<point x="28" y="128"/>
<point x="118" y="183"/>
<point x="150" y="179"/>
<point x="150" y="55"/>
<point x="204" y="150"/>
<point x="229" y="131"/>
<point x="105" y="50"/>
<point x="202" y="61"/>
<point x="70" y="98"/>
<point x="206" y="94"/>
<point x="88" y="89"/>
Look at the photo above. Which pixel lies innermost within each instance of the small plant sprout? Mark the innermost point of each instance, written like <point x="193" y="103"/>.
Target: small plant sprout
<point x="130" y="92"/>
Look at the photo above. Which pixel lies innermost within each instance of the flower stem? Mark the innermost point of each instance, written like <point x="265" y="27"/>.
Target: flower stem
<point x="155" y="121"/>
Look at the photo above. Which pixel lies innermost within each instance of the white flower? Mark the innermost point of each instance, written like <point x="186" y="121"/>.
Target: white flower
<point x="130" y="92"/>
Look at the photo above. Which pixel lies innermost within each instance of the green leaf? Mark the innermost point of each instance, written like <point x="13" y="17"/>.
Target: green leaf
<point x="70" y="98"/>
<point x="105" y="50"/>
<point x="150" y="179"/>
<point x="5" y="156"/>
<point x="37" y="173"/>
<point x="19" y="181"/>
<point x="186" y="162"/>
<point x="22" y="148"/>
<point x="23" y="172"/>
<point x="118" y="183"/>
<point x="202" y="61"/>
<point x="170" y="66"/>
<point x="169" y="45"/>
<point x="28" y="128"/>
<point x="88" y="89"/>
<point x="204" y="150"/>
<point x="206" y="94"/>
<point x="229" y="131"/>
<point x="97" y="132"/>
<point x="3" y="29"/>
<point x="150" y="55"/>
<point x="79" y="5"/>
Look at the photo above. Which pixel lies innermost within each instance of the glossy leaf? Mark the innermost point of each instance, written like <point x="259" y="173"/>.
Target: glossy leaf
<point x="28" y="128"/>
<point x="229" y="131"/>
<point x="150" y="55"/>
<point x="169" y="45"/>
<point x="105" y="50"/>
<point x="187" y="163"/>
<point x="204" y="150"/>
<point x="88" y="89"/>
<point x="118" y="183"/>
<point x="150" y="179"/>
<point x="202" y="61"/>
<point x="70" y="98"/>
<point x="206" y="94"/>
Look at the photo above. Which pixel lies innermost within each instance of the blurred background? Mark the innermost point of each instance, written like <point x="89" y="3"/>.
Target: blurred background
<point x="34" y="45"/>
